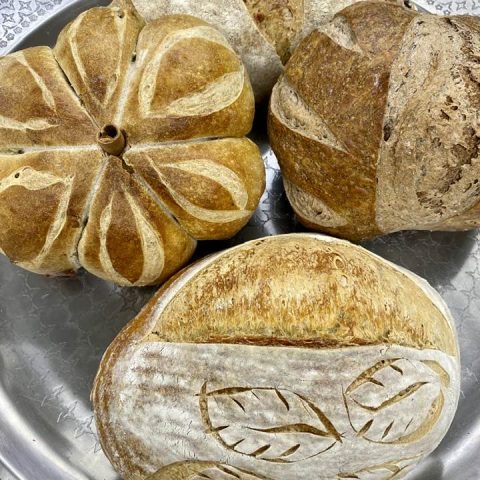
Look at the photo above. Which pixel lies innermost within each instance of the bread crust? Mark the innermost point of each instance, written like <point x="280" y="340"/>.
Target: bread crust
<point x="157" y="88"/>
<point x="239" y="308"/>
<point x="263" y="32"/>
<point x="385" y="138"/>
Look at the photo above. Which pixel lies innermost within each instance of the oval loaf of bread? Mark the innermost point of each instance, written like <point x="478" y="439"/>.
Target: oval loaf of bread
<point x="286" y="358"/>
<point x="263" y="32"/>
<point x="124" y="145"/>
<point x="375" y="123"/>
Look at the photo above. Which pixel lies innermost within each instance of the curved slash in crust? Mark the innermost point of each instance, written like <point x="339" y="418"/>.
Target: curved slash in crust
<point x="213" y="98"/>
<point x="121" y="27"/>
<point x="367" y="377"/>
<point x="233" y="184"/>
<point x="203" y="470"/>
<point x="152" y="245"/>
<point x="35" y="123"/>
<point x="104" y="256"/>
<point x="35" y="180"/>
<point x="294" y="113"/>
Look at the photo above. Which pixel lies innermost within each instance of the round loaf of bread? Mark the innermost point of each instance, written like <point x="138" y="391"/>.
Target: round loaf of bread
<point x="124" y="145"/>
<point x="263" y="32"/>
<point x="286" y="358"/>
<point x="375" y="123"/>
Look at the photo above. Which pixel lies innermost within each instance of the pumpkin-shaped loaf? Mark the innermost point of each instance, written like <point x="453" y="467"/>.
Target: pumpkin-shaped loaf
<point x="286" y="358"/>
<point x="263" y="32"/>
<point x="124" y="145"/>
<point x="375" y="123"/>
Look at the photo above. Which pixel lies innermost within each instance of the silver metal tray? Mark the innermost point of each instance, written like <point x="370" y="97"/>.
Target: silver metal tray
<point x="53" y="331"/>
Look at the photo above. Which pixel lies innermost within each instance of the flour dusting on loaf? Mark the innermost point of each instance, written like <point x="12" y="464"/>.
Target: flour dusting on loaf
<point x="274" y="359"/>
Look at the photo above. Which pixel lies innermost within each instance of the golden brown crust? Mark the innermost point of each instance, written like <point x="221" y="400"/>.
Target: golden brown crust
<point x="37" y="106"/>
<point x="246" y="294"/>
<point x="210" y="187"/>
<point x="129" y="238"/>
<point x="180" y="80"/>
<point x="353" y="114"/>
<point x="211" y="101"/>
<point x="43" y="198"/>
<point x="376" y="136"/>
<point x="263" y="32"/>
<point x="97" y="69"/>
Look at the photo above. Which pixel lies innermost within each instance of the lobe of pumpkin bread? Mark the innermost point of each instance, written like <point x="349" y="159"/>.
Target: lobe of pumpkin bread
<point x="298" y="291"/>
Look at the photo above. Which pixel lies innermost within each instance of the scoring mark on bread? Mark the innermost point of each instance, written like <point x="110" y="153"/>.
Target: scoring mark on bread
<point x="216" y="96"/>
<point x="227" y="178"/>
<point x="120" y="24"/>
<point x="202" y="470"/>
<point x="152" y="245"/>
<point x="295" y="114"/>
<point x="312" y="208"/>
<point x="269" y="424"/>
<point x="32" y="179"/>
<point x="47" y="97"/>
<point x="386" y="471"/>
<point x="372" y="400"/>
<point x="340" y="31"/>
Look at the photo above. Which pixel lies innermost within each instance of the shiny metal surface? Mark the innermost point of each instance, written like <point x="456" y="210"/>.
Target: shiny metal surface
<point x="53" y="332"/>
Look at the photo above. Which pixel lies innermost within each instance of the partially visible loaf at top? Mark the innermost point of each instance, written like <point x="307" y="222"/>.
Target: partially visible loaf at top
<point x="263" y="32"/>
<point x="375" y="123"/>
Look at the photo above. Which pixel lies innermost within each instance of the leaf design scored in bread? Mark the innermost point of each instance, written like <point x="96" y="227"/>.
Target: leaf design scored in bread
<point x="198" y="470"/>
<point x="227" y="414"/>
<point x="124" y="145"/>
<point x="293" y="356"/>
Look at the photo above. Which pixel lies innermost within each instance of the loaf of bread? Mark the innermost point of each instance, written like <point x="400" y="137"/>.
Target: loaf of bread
<point x="286" y="358"/>
<point x="263" y="32"/>
<point x="375" y="123"/>
<point x="124" y="145"/>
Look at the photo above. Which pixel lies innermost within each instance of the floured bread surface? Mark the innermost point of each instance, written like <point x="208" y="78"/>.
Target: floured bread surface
<point x="429" y="163"/>
<point x="274" y="359"/>
<point x="376" y="118"/>
<point x="98" y="167"/>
